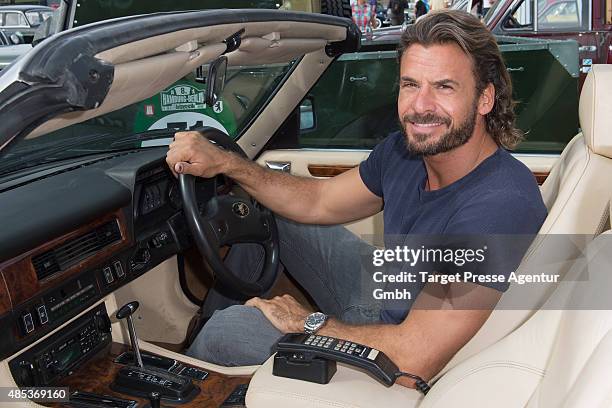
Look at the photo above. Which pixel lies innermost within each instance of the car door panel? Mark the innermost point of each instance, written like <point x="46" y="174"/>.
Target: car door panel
<point x="303" y="162"/>
<point x="330" y="162"/>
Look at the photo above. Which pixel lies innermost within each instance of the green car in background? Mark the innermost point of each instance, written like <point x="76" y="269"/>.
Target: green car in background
<point x="354" y="104"/>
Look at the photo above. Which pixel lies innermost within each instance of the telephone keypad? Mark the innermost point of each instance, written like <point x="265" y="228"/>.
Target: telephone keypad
<point x="331" y="343"/>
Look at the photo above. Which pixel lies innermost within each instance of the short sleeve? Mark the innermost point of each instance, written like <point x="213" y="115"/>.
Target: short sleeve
<point x="372" y="169"/>
<point x="504" y="225"/>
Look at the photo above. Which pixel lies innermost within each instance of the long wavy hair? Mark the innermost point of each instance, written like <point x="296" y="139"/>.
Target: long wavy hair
<point x="465" y="30"/>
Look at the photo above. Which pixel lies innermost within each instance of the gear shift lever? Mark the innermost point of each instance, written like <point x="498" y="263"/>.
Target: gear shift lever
<point x="126" y="313"/>
<point x="145" y="381"/>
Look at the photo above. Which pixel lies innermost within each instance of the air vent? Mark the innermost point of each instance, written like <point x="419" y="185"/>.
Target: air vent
<point x="77" y="249"/>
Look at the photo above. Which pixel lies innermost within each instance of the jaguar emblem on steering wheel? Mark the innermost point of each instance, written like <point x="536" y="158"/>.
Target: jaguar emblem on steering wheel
<point x="240" y="209"/>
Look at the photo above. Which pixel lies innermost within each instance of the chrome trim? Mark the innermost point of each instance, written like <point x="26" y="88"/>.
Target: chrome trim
<point x="535" y="16"/>
<point x="542" y="155"/>
<point x="279" y="166"/>
<point x="322" y="149"/>
<point x="370" y="55"/>
<point x="72" y="13"/>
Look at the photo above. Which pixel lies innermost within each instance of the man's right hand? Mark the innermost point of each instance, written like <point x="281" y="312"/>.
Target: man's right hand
<point x="191" y="153"/>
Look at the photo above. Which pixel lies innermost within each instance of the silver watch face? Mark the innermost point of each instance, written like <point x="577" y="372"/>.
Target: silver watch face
<point x="314" y="321"/>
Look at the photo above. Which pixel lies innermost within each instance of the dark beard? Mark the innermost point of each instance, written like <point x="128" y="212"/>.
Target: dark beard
<point x="452" y="139"/>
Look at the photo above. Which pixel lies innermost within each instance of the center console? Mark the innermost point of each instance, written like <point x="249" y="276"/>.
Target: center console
<point x="101" y="373"/>
<point x="55" y="358"/>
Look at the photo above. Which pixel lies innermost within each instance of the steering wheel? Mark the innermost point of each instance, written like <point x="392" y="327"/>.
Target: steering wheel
<point x="230" y="219"/>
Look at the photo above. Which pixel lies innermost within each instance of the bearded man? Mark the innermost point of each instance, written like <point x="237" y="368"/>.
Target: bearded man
<point x="447" y="173"/>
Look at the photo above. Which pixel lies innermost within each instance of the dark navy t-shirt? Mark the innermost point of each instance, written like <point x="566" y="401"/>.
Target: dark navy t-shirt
<point x="500" y="196"/>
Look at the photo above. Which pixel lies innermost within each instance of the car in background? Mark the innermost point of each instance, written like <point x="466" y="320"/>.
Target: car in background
<point x="54" y="4"/>
<point x="11" y="49"/>
<point x="362" y="111"/>
<point x="23" y="19"/>
<point x="589" y="22"/>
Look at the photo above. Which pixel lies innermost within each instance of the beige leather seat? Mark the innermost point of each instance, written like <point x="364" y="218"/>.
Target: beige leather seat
<point x="577" y="194"/>
<point x="561" y="357"/>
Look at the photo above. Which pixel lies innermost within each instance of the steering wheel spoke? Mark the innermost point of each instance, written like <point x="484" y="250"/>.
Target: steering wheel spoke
<point x="239" y="221"/>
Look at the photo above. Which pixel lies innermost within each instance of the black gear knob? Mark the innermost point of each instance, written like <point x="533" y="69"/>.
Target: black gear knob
<point x="127" y="310"/>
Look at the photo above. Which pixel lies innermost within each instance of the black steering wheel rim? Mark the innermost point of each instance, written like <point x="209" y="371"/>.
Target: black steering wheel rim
<point x="218" y="225"/>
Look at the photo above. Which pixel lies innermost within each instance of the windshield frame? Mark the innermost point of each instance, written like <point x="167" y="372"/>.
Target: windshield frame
<point x="494" y="11"/>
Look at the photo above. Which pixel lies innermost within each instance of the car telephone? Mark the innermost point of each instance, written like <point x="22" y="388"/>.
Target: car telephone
<point x="313" y="358"/>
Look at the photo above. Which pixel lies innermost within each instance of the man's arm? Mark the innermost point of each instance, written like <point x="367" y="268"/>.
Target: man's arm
<point x="335" y="200"/>
<point x="434" y="330"/>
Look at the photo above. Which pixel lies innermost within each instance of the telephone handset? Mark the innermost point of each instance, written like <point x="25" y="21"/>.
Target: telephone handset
<point x="312" y="357"/>
<point x="297" y="350"/>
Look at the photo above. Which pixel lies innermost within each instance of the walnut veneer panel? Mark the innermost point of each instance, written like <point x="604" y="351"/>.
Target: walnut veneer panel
<point x="322" y="170"/>
<point x="540" y="177"/>
<point x="97" y="375"/>
<point x="5" y="297"/>
<point x="20" y="275"/>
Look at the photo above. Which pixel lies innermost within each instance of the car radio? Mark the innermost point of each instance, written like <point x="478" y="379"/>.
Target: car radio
<point x="55" y="357"/>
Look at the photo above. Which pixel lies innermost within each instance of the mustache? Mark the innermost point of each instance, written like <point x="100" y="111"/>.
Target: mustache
<point x="425" y="119"/>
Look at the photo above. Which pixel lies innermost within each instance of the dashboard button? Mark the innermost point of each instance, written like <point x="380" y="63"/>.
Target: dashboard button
<point x="118" y="269"/>
<point x="28" y="323"/>
<point x="43" y="318"/>
<point x="108" y="275"/>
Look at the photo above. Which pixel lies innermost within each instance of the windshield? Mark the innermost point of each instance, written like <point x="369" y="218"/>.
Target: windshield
<point x="153" y="121"/>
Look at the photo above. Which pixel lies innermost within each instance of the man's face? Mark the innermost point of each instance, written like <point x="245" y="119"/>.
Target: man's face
<point x="437" y="103"/>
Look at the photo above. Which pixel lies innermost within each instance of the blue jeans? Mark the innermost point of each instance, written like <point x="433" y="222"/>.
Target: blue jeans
<point x="325" y="261"/>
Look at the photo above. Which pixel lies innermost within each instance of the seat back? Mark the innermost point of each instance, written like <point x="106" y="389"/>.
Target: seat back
<point x="561" y="357"/>
<point x="577" y="194"/>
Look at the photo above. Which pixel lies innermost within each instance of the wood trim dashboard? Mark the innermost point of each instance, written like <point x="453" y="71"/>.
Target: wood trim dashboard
<point x="18" y="278"/>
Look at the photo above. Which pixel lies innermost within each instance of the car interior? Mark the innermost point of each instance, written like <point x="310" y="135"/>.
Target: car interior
<point x="82" y="241"/>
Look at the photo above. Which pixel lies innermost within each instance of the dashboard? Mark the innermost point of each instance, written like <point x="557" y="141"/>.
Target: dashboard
<point x="72" y="236"/>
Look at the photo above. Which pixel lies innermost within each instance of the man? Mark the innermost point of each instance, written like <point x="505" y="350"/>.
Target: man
<point x="397" y="8"/>
<point x="420" y="9"/>
<point x="363" y="14"/>
<point x="486" y="5"/>
<point x="447" y="173"/>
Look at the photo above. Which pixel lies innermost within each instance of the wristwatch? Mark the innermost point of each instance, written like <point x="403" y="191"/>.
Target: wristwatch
<point x="314" y="322"/>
